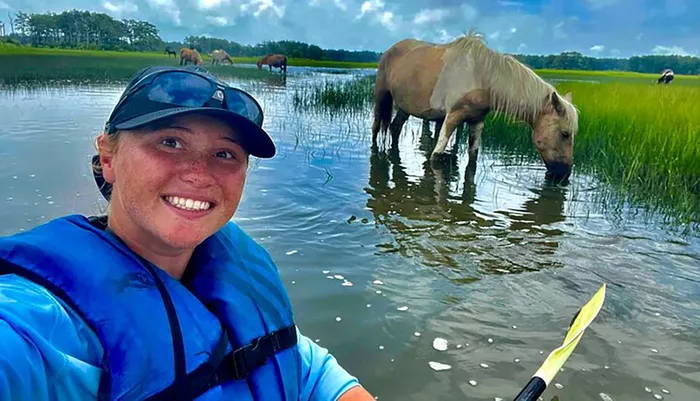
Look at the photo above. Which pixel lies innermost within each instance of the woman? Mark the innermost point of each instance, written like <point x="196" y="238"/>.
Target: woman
<point x="164" y="297"/>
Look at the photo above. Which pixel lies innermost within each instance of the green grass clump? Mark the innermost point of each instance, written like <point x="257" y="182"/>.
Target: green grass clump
<point x="333" y="96"/>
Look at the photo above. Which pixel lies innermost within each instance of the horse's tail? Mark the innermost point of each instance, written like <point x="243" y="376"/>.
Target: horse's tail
<point x="383" y="103"/>
<point x="383" y="99"/>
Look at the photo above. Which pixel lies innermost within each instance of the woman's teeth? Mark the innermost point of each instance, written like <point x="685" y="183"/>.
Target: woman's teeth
<point x="187" y="204"/>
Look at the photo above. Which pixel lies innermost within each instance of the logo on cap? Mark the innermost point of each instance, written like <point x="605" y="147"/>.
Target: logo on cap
<point x="218" y="95"/>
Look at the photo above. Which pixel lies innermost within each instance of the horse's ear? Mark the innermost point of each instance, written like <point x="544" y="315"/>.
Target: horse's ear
<point x="556" y="102"/>
<point x="569" y="96"/>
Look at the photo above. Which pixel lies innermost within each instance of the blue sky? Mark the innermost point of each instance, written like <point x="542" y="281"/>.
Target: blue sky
<point x="595" y="27"/>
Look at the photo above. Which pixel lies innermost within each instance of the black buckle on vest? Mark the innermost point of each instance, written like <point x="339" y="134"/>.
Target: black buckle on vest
<point x="236" y="365"/>
<point x="250" y="357"/>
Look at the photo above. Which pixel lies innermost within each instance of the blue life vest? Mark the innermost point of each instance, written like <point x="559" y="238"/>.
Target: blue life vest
<point x="224" y="331"/>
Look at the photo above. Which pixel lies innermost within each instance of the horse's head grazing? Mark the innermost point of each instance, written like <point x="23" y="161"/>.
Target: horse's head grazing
<point x="553" y="134"/>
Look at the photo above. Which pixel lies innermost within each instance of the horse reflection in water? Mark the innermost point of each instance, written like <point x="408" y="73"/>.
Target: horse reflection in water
<point x="430" y="217"/>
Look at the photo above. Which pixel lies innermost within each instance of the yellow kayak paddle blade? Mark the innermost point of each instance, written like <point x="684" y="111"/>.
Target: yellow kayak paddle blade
<point x="541" y="379"/>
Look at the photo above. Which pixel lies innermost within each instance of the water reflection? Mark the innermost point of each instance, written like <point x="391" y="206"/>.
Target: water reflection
<point x="276" y="80"/>
<point x="442" y="216"/>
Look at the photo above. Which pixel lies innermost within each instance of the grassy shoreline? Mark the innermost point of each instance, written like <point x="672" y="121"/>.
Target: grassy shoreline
<point x="15" y="59"/>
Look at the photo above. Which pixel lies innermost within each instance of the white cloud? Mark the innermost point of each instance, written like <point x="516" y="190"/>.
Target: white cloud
<point x="338" y="3"/>
<point x="445" y="37"/>
<point x="117" y="9"/>
<point x="218" y="21"/>
<point x="4" y="6"/>
<point x="597" y="48"/>
<point x="513" y="30"/>
<point x="370" y="5"/>
<point x="387" y="19"/>
<point x="495" y="35"/>
<point x="430" y="15"/>
<point x="670" y="50"/>
<point x="209" y="4"/>
<point x="261" y="6"/>
<point x="506" y="3"/>
<point x="522" y="47"/>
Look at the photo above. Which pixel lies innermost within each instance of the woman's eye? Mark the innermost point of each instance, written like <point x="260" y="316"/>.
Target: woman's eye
<point x="171" y="142"/>
<point x="225" y="154"/>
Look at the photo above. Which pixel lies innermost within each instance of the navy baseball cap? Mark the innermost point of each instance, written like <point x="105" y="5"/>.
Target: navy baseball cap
<point x="159" y="92"/>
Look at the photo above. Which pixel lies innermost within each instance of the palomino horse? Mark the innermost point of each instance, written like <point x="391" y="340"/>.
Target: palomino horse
<point x="666" y="76"/>
<point x="462" y="81"/>
<point x="217" y="56"/>
<point x="274" y="60"/>
<point x="190" y="55"/>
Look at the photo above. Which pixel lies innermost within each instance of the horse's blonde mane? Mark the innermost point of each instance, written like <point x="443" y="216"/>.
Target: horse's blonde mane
<point x="514" y="88"/>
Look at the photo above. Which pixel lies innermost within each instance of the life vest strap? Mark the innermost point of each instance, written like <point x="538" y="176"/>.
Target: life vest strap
<point x="236" y="365"/>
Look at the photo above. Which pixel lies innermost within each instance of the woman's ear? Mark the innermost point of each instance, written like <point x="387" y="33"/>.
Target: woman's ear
<point x="106" y="152"/>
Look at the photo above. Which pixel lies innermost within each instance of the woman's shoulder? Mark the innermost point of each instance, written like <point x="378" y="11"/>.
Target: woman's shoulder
<point x="41" y="317"/>
<point x="47" y="351"/>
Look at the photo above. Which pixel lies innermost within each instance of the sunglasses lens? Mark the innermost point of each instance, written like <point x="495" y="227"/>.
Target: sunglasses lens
<point x="241" y="103"/>
<point x="180" y="89"/>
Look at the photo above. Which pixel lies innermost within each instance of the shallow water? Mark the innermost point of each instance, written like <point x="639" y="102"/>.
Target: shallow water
<point x="494" y="261"/>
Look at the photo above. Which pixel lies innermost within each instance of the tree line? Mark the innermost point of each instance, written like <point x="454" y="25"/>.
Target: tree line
<point x="90" y="30"/>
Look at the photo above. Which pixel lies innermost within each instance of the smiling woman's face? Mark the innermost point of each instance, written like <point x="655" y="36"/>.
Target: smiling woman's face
<point x="177" y="184"/>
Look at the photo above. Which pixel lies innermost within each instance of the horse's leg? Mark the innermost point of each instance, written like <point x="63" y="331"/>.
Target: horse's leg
<point x="452" y="120"/>
<point x="438" y="126"/>
<point x="475" y="140"/>
<point x="397" y="125"/>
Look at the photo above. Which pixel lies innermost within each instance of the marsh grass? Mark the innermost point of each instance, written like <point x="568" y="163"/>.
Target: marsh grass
<point x="22" y="65"/>
<point x="52" y="67"/>
<point x="640" y="139"/>
<point x="336" y="97"/>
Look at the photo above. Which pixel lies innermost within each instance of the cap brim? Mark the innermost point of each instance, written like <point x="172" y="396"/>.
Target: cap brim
<point x="255" y="140"/>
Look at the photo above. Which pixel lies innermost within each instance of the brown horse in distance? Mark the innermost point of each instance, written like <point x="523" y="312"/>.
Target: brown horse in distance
<point x="462" y="81"/>
<point x="273" y="60"/>
<point x="190" y="55"/>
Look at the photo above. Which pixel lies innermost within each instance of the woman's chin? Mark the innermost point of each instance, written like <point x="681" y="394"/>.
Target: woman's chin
<point x="185" y="235"/>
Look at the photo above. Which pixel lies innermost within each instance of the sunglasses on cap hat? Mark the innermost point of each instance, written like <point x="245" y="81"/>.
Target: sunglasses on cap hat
<point x="156" y="93"/>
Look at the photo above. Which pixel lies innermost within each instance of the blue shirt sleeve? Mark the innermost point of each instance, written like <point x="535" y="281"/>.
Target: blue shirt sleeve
<point x="322" y="377"/>
<point x="45" y="351"/>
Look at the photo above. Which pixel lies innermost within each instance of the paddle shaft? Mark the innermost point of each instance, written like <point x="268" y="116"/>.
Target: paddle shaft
<point x="534" y="388"/>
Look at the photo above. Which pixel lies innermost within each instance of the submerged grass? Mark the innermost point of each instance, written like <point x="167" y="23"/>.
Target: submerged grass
<point x="642" y="140"/>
